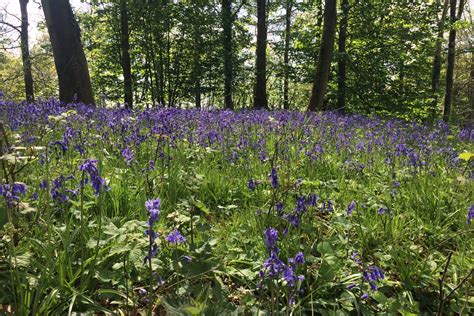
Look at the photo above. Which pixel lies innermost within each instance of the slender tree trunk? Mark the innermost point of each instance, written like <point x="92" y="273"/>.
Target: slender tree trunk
<point x="260" y="91"/>
<point x="227" y="45"/>
<point x="437" y="57"/>
<point x="196" y="72"/>
<point x="69" y="57"/>
<point x="168" y="62"/>
<point x="451" y="56"/>
<point x="25" y="52"/>
<point x="342" y="60"/>
<point x="471" y="87"/>
<point x="125" y="48"/>
<point x="325" y="57"/>
<point x="286" y="57"/>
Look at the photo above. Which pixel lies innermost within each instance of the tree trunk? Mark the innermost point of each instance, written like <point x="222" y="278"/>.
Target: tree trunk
<point x="325" y="57"/>
<point x="125" y="49"/>
<point x="69" y="57"/>
<point x="451" y="56"/>
<point x="437" y="57"/>
<point x="227" y="45"/>
<point x="25" y="52"/>
<point x="471" y="87"/>
<point x="342" y="60"/>
<point x="260" y="91"/>
<point x="196" y="72"/>
<point x="286" y="57"/>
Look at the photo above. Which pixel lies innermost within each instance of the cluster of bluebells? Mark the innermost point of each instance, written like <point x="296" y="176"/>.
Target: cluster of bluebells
<point x="128" y="155"/>
<point x="153" y="208"/>
<point x="12" y="193"/>
<point x="97" y="182"/>
<point x="58" y="192"/>
<point x="175" y="238"/>
<point x="274" y="268"/>
<point x="302" y="204"/>
<point x="371" y="274"/>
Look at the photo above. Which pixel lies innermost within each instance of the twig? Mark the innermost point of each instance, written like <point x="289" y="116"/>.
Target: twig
<point x="441" y="282"/>
<point x="460" y="284"/>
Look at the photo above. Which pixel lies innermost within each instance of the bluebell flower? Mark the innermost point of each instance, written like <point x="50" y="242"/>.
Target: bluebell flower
<point x="372" y="274"/>
<point x="251" y="185"/>
<point x="97" y="182"/>
<point x="350" y="208"/>
<point x="330" y="207"/>
<point x="128" y="155"/>
<point x="152" y="207"/>
<point x="271" y="238"/>
<point x="279" y="207"/>
<point x="153" y="204"/>
<point x="288" y="275"/>
<point x="12" y="192"/>
<point x="300" y="205"/>
<point x="175" y="238"/>
<point x="273" y="265"/>
<point x="470" y="214"/>
<point x="18" y="188"/>
<point x="274" y="178"/>
<point x="312" y="199"/>
<point x="299" y="257"/>
<point x="44" y="184"/>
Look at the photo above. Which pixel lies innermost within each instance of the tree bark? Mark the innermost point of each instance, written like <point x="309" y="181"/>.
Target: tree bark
<point x="286" y="57"/>
<point x="451" y="56"/>
<point x="325" y="57"/>
<point x="125" y="48"/>
<point x="69" y="57"/>
<point x="342" y="60"/>
<point x="25" y="52"/>
<point x="227" y="45"/>
<point x="260" y="91"/>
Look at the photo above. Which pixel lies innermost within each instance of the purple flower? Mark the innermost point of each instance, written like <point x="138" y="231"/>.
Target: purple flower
<point x="351" y="208"/>
<point x="470" y="214"/>
<point x="271" y="238"/>
<point x="299" y="257"/>
<point x="128" y="155"/>
<point x="364" y="296"/>
<point x="152" y="207"/>
<point x="274" y="178"/>
<point x="273" y="266"/>
<point x="279" y="207"/>
<point x="19" y="188"/>
<point x="44" y="184"/>
<point x="251" y="185"/>
<point x="97" y="182"/>
<point x="312" y="199"/>
<point x="351" y="286"/>
<point x="153" y="204"/>
<point x="289" y="275"/>
<point x="175" y="238"/>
